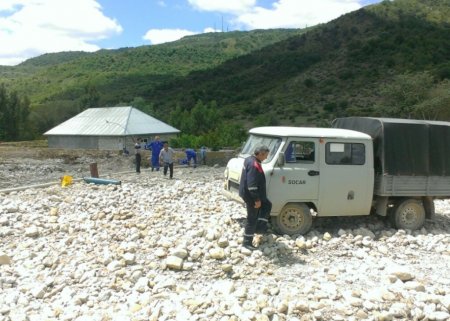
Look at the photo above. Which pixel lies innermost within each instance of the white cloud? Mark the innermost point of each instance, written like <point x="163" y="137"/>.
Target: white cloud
<point x="282" y="13"/>
<point x="32" y="27"/>
<point x="295" y="13"/>
<point x="225" y="6"/>
<point x="209" y="29"/>
<point x="157" y="36"/>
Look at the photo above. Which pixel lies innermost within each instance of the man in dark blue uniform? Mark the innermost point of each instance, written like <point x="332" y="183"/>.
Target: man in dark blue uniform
<point x="191" y="155"/>
<point x="252" y="189"/>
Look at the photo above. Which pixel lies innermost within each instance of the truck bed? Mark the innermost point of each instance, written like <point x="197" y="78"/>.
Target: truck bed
<point x="411" y="157"/>
<point x="390" y="185"/>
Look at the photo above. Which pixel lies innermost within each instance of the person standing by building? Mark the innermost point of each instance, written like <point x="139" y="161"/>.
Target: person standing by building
<point x="156" y="147"/>
<point x="137" y="149"/>
<point x="203" y="155"/>
<point x="166" y="158"/>
<point x="252" y="189"/>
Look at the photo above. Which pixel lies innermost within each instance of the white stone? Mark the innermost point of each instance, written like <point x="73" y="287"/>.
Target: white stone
<point x="38" y="291"/>
<point x="400" y="272"/>
<point x="160" y="252"/>
<point x="217" y="253"/>
<point x="399" y="310"/>
<point x="32" y="231"/>
<point x="174" y="262"/>
<point x="4" y="259"/>
<point x="438" y="316"/>
<point x="195" y="253"/>
<point x="414" y="285"/>
<point x="223" y="242"/>
<point x="262" y="317"/>
<point x="142" y="285"/>
<point x="445" y="301"/>
<point x="300" y="243"/>
<point x="181" y="253"/>
<point x="114" y="265"/>
<point x="283" y="307"/>
<point x="129" y="258"/>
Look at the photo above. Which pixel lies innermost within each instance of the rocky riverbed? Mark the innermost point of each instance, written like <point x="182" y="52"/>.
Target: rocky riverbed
<point x="160" y="249"/>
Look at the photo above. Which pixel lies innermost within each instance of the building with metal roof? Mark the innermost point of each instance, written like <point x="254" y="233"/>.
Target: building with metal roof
<point x="107" y="128"/>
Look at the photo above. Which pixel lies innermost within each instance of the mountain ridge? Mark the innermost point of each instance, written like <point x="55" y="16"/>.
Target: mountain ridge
<point x="349" y="66"/>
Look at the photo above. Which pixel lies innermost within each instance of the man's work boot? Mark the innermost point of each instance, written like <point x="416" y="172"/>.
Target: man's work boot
<point x="262" y="228"/>
<point x="248" y="243"/>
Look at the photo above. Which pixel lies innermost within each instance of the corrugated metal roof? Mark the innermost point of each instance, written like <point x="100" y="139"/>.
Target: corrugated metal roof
<point x="112" y="121"/>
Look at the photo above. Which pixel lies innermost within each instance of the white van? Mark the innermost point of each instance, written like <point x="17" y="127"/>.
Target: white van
<point x="334" y="172"/>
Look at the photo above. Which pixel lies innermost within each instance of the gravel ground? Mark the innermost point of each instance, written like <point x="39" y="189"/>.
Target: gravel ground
<point x="23" y="167"/>
<point x="159" y="249"/>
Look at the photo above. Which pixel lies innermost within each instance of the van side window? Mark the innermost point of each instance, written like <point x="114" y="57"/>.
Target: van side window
<point x="300" y="152"/>
<point x="345" y="154"/>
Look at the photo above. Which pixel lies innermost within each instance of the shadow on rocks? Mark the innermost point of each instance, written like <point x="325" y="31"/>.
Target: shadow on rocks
<point x="439" y="224"/>
<point x="336" y="223"/>
<point x="280" y="250"/>
<point x="276" y="248"/>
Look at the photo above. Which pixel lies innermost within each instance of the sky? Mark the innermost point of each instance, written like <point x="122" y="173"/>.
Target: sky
<point x="29" y="28"/>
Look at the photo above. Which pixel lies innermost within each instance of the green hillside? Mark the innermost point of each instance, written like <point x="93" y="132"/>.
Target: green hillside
<point x="60" y="85"/>
<point x="388" y="59"/>
<point x="125" y="73"/>
<point x="345" y="67"/>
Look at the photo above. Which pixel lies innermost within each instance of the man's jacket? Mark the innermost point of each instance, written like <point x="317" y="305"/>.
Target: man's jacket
<point x="252" y="186"/>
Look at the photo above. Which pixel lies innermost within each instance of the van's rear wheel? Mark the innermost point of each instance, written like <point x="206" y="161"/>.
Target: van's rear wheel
<point x="408" y="214"/>
<point x="293" y="219"/>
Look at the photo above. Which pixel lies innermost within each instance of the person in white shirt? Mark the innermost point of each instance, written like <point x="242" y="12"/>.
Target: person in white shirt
<point x="166" y="159"/>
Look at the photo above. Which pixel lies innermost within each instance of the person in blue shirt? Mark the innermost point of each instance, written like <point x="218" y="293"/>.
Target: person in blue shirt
<point x="155" y="146"/>
<point x="191" y="155"/>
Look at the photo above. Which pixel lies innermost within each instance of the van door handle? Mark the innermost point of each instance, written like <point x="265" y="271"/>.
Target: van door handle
<point x="313" y="173"/>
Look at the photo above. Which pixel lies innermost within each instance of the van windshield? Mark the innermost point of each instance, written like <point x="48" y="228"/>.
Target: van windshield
<point x="254" y="141"/>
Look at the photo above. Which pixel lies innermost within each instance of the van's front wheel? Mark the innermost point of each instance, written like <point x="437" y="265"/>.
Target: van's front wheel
<point x="293" y="219"/>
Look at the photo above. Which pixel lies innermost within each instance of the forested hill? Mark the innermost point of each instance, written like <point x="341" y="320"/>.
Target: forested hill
<point x="45" y="76"/>
<point x="388" y="59"/>
<point x="60" y="85"/>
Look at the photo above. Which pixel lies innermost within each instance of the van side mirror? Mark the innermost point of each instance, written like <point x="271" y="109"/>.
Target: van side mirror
<point x="281" y="159"/>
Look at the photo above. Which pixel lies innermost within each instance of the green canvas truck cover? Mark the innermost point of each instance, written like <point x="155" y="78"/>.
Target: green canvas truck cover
<point x="405" y="146"/>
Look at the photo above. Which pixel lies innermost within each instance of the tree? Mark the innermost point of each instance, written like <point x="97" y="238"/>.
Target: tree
<point x="405" y="92"/>
<point x="3" y="103"/>
<point x="14" y="113"/>
<point x="91" y="97"/>
<point x="141" y="104"/>
<point x="437" y="106"/>
<point x="199" y="121"/>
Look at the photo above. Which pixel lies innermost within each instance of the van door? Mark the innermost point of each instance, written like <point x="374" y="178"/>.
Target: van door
<point x="346" y="178"/>
<point x="298" y="179"/>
